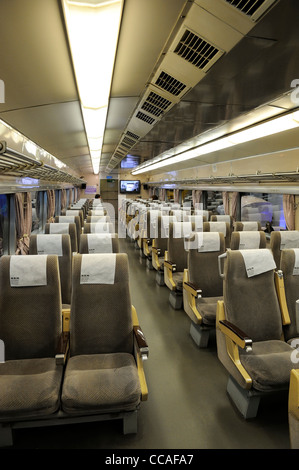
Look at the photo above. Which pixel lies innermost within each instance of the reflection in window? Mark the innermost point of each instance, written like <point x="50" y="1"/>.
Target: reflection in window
<point x="264" y="208"/>
<point x="215" y="202"/>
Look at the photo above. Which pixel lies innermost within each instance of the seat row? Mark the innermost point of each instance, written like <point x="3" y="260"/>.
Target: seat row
<point x="248" y="293"/>
<point x="92" y="372"/>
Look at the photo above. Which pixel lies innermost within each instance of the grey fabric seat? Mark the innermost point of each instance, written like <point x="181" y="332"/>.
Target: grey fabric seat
<point x="283" y="240"/>
<point x="219" y="226"/>
<point x="63" y="250"/>
<point x="99" y="243"/>
<point x="203" y="285"/>
<point x="101" y="376"/>
<point x="250" y="331"/>
<point x="98" y="227"/>
<point x="289" y="267"/>
<point x="31" y="326"/>
<point x="175" y="260"/>
<point x="244" y="240"/>
<point x="64" y="228"/>
<point x="72" y="219"/>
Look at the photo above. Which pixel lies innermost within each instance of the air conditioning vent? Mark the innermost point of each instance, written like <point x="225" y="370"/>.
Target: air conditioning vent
<point x="195" y="50"/>
<point x="145" y="118"/>
<point x="127" y="142"/>
<point x="250" y="7"/>
<point x="134" y="136"/>
<point x="170" y="84"/>
<point x="156" y="104"/>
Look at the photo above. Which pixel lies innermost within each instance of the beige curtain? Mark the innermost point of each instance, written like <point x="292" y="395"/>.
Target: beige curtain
<point x="288" y="203"/>
<point x="50" y="205"/>
<point x="196" y="196"/>
<point x="225" y="198"/>
<point x="234" y="203"/>
<point x="176" y="195"/>
<point x="71" y="197"/>
<point x="63" y="199"/>
<point x="23" y="207"/>
<point x="162" y="194"/>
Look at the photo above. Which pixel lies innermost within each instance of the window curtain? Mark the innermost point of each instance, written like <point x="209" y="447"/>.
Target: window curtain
<point x="50" y="205"/>
<point x="63" y="199"/>
<point x="196" y="197"/>
<point x="162" y="194"/>
<point x="234" y="204"/>
<point x="225" y="198"/>
<point x="176" y="195"/>
<point x="23" y="207"/>
<point x="288" y="203"/>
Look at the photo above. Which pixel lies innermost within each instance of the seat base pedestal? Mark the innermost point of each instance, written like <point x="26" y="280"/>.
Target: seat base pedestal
<point x="200" y="335"/>
<point x="160" y="278"/>
<point x="176" y="300"/>
<point x="246" y="401"/>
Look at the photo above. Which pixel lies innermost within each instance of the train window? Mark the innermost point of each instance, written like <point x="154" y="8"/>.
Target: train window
<point x="265" y="208"/>
<point x="4" y="224"/>
<point x="214" y="202"/>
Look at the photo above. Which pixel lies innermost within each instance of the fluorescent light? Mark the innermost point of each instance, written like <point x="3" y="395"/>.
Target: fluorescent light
<point x="93" y="29"/>
<point x="274" y="126"/>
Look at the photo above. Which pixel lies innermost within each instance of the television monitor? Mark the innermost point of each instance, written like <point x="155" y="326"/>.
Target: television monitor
<point x="129" y="187"/>
<point x="130" y="161"/>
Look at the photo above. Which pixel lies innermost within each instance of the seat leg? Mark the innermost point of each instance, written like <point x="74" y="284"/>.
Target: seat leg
<point x="130" y="423"/>
<point x="149" y="263"/>
<point x="246" y="402"/>
<point x="176" y="300"/>
<point x="160" y="278"/>
<point x="199" y="335"/>
<point x="5" y="436"/>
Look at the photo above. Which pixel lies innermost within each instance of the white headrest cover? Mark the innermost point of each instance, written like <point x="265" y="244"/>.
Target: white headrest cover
<point x="218" y="227"/>
<point x="289" y="239"/>
<point x="99" y="243"/>
<point x="49" y="244"/>
<point x="258" y="261"/>
<point x="28" y="270"/>
<point x="59" y="228"/>
<point x="205" y="242"/>
<point x="296" y="262"/>
<point x="249" y="240"/>
<point x="98" y="268"/>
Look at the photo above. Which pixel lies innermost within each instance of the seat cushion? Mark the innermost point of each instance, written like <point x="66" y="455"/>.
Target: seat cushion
<point x="178" y="280"/>
<point x="269" y="364"/>
<point x="29" y="388"/>
<point x="207" y="307"/>
<point x="99" y="383"/>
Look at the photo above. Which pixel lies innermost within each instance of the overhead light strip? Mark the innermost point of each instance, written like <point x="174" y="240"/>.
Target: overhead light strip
<point x="264" y="129"/>
<point x="93" y="30"/>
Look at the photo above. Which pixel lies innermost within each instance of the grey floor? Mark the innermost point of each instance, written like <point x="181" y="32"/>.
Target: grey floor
<point x="188" y="407"/>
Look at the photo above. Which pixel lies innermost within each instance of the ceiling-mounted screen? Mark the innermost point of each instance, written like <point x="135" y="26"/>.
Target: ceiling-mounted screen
<point x="130" y="161"/>
<point x="129" y="186"/>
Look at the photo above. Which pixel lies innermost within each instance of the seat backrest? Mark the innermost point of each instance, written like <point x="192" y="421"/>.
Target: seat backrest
<point x="71" y="219"/>
<point x="78" y="212"/>
<point x="91" y="219"/>
<point x="64" y="229"/>
<point x="30" y="306"/>
<point x="60" y="245"/>
<point x="248" y="240"/>
<point x="248" y="226"/>
<point x="98" y="227"/>
<point x="289" y="264"/>
<point x="176" y="247"/>
<point x="219" y="226"/>
<point x="100" y="320"/>
<point x="283" y="240"/>
<point x="99" y="243"/>
<point x="203" y="251"/>
<point x="250" y="300"/>
<point x="222" y="218"/>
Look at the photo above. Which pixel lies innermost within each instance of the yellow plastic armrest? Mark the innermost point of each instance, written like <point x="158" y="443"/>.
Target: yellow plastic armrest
<point x="192" y="289"/>
<point x="66" y="312"/>
<point x="170" y="266"/>
<point x="235" y="334"/>
<point x="279" y="284"/>
<point x="294" y="393"/>
<point x="142" y="351"/>
<point x="62" y="348"/>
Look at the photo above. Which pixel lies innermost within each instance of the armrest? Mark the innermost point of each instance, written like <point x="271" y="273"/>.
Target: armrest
<point x="62" y="348"/>
<point x="236" y="335"/>
<point x="279" y="284"/>
<point x="142" y="345"/>
<point x="169" y="265"/>
<point x="188" y="286"/>
<point x="156" y="250"/>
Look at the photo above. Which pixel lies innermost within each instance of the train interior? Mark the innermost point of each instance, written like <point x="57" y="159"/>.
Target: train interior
<point x="179" y="114"/>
